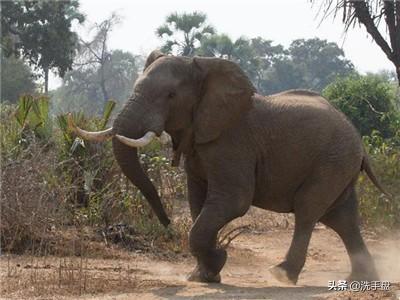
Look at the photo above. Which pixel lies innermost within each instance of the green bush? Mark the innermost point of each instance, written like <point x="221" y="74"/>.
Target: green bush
<point x="368" y="101"/>
<point x="375" y="208"/>
<point x="16" y="78"/>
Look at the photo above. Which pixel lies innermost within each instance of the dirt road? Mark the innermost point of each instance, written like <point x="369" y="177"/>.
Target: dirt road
<point x="245" y="276"/>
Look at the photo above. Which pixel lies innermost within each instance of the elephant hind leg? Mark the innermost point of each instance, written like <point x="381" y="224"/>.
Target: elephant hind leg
<point x="344" y="220"/>
<point x="288" y="271"/>
<point x="311" y="201"/>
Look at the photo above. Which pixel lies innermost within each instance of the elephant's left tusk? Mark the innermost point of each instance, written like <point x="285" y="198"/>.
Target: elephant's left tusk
<point x="97" y="136"/>
<point x="144" y="140"/>
<point x="134" y="143"/>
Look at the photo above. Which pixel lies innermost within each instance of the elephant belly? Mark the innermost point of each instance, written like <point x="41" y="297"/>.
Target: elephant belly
<point x="274" y="195"/>
<point x="277" y="204"/>
<point x="275" y="190"/>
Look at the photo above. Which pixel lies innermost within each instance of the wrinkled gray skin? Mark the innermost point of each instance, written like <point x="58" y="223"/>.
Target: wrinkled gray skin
<point x="289" y="152"/>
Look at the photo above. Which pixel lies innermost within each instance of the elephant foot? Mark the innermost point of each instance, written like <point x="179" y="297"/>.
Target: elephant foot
<point x="363" y="270"/>
<point x="209" y="266"/>
<point x="363" y="276"/>
<point x="208" y="277"/>
<point x="281" y="274"/>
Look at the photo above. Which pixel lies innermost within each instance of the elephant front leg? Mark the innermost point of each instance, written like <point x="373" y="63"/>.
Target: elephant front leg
<point x="203" y="246"/>
<point x="197" y="193"/>
<point x="229" y="195"/>
<point x="203" y="238"/>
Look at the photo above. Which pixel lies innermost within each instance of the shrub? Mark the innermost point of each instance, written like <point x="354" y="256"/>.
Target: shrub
<point x="368" y="101"/>
<point x="32" y="201"/>
<point x="16" y="78"/>
<point x="375" y="208"/>
<point x="52" y="181"/>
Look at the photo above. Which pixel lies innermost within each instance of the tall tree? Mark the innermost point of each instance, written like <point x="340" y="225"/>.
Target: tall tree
<point x="82" y="88"/>
<point x="41" y="32"/>
<point x="254" y="56"/>
<point x="95" y="54"/>
<point x="320" y="60"/>
<point x="216" y="45"/>
<point x="16" y="78"/>
<point x="370" y="13"/>
<point x="309" y="63"/>
<point x="184" y="32"/>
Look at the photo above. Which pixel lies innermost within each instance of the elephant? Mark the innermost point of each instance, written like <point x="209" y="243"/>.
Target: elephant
<point x="290" y="152"/>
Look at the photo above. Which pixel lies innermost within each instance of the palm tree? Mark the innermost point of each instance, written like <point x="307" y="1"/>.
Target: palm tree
<point x="183" y="32"/>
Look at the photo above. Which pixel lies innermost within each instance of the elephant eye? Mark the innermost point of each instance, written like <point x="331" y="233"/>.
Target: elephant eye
<point x="171" y="95"/>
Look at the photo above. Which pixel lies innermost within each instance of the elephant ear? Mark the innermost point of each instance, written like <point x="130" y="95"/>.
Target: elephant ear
<point x="226" y="94"/>
<point x="154" y="55"/>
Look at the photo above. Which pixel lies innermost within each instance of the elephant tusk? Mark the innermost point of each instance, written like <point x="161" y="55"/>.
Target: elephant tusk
<point x="143" y="141"/>
<point x="164" y="138"/>
<point x="97" y="136"/>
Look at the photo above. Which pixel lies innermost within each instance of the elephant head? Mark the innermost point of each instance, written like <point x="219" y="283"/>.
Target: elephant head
<point x="203" y="96"/>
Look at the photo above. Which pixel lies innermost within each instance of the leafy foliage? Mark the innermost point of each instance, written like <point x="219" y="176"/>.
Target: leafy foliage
<point x="16" y="79"/>
<point x="370" y="13"/>
<point x="375" y="209"/>
<point x="183" y="32"/>
<point x="41" y="32"/>
<point x="307" y="64"/>
<point x="310" y="64"/>
<point x="32" y="122"/>
<point x="368" y="101"/>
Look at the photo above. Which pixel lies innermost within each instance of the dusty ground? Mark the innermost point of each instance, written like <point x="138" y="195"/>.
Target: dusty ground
<point x="107" y="273"/>
<point x="245" y="276"/>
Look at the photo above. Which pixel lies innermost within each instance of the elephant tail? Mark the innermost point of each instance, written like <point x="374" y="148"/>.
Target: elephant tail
<point x="366" y="166"/>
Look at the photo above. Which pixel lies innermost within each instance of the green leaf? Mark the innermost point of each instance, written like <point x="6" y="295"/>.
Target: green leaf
<point x="24" y="106"/>
<point x="108" y="109"/>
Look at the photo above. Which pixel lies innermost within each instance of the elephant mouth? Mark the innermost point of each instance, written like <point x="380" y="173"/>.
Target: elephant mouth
<point x="100" y="136"/>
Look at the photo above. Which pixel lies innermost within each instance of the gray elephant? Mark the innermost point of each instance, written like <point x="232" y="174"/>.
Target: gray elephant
<point x="290" y="152"/>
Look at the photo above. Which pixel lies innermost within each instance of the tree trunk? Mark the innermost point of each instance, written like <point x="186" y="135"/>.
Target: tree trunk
<point x="103" y="86"/>
<point x="362" y="13"/>
<point x="46" y="80"/>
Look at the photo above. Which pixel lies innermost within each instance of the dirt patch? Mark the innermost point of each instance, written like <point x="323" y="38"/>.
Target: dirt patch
<point x="245" y="276"/>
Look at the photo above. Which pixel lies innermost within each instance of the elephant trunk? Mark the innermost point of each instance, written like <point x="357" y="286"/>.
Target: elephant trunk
<point x="127" y="158"/>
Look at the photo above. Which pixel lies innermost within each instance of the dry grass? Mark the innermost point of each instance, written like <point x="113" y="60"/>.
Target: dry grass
<point x="26" y="277"/>
<point x="31" y="209"/>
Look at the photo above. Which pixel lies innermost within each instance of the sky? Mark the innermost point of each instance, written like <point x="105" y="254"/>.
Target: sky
<point x="281" y="21"/>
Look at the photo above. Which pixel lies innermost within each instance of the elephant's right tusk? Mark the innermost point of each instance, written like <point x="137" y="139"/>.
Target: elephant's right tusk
<point x="97" y="136"/>
<point x="143" y="141"/>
